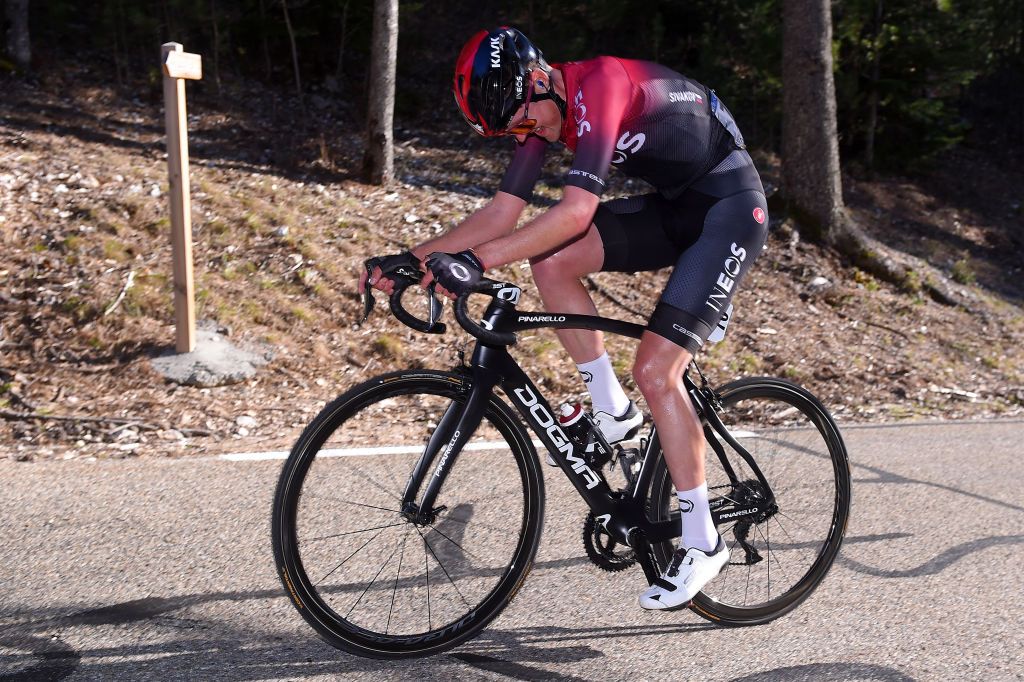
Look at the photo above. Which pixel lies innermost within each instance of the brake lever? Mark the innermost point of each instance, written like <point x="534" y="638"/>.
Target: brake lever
<point x="368" y="300"/>
<point x="436" y="304"/>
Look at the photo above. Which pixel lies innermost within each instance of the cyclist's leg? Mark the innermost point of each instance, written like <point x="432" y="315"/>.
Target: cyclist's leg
<point x="732" y="232"/>
<point x="626" y="236"/>
<point x="658" y="371"/>
<point x="698" y="292"/>
<point x="558" y="276"/>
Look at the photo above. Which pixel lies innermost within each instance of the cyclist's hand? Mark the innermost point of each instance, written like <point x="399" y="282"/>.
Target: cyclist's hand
<point x="379" y="268"/>
<point x="456" y="273"/>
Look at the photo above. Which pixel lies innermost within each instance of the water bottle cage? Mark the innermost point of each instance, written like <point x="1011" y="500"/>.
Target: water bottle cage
<point x="597" y="451"/>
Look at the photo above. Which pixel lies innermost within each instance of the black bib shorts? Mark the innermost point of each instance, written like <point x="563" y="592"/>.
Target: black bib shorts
<point x="711" y="234"/>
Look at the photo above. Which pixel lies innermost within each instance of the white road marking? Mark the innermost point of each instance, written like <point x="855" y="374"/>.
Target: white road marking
<point x="398" y="450"/>
<point x="360" y="452"/>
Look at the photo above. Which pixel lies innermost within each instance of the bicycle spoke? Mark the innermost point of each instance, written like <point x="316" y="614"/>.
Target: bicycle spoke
<point x="367" y="588"/>
<point x="464" y="550"/>
<point x="746" y="590"/>
<point x="426" y="571"/>
<point x="352" y="532"/>
<point x="443" y="569"/>
<point x="394" y="481"/>
<point x="349" y="557"/>
<point x="319" y="498"/>
<point x="725" y="577"/>
<point x="476" y="522"/>
<point x="340" y="535"/>
<point x="368" y="506"/>
<point x="727" y="499"/>
<point x="794" y="542"/>
<point x="394" y="592"/>
<point x="772" y="553"/>
<point x="790" y="518"/>
<point x="768" y="548"/>
<point x="366" y="477"/>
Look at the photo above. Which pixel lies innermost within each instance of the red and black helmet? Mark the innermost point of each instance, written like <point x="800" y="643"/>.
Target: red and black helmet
<point x="492" y="78"/>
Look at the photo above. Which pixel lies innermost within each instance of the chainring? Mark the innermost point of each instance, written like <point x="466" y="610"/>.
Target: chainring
<point x="602" y="550"/>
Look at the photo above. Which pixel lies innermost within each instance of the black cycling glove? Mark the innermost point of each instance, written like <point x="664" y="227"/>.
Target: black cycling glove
<point x="404" y="264"/>
<point x="459" y="272"/>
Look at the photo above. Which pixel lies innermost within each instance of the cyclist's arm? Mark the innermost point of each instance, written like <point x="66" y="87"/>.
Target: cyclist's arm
<point x="495" y="220"/>
<point x="572" y="216"/>
<point x="564" y="221"/>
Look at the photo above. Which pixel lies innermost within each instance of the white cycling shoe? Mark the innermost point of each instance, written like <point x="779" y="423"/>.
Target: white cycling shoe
<point x="615" y="429"/>
<point x="688" y="572"/>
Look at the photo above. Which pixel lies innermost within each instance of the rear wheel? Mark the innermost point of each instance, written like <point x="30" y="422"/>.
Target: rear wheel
<point x="781" y="555"/>
<point x="378" y="582"/>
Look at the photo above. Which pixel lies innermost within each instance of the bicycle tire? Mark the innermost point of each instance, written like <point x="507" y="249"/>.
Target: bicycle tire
<point x="314" y="476"/>
<point x="800" y="451"/>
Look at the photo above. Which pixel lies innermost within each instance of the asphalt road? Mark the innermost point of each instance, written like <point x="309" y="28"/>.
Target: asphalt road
<point x="162" y="570"/>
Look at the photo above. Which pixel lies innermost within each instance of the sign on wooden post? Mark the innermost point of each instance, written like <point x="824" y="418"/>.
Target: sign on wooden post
<point x="179" y="66"/>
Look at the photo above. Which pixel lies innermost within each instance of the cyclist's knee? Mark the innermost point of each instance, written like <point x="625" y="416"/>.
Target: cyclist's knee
<point x="657" y="369"/>
<point x="569" y="262"/>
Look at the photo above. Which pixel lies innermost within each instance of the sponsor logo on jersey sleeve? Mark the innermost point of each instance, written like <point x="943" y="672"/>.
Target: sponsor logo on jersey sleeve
<point x="685" y="96"/>
<point x="588" y="175"/>
<point x="582" y="125"/>
<point x="628" y="144"/>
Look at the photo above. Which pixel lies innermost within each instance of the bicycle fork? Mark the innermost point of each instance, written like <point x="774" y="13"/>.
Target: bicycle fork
<point x="453" y="431"/>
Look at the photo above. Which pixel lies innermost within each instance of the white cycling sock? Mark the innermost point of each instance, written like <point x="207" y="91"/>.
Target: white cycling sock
<point x="605" y="391"/>
<point x="698" y="529"/>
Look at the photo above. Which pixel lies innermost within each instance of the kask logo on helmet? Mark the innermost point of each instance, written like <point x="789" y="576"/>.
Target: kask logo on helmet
<point x="496" y="52"/>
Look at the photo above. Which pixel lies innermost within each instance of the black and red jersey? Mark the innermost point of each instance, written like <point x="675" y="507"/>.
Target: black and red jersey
<point x="643" y="118"/>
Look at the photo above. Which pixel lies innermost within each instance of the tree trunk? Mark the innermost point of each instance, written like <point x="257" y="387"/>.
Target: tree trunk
<point x="876" y="68"/>
<point x="216" y="45"/>
<point x="810" y="145"/>
<point x="811" y="180"/>
<point x="379" y="157"/>
<point x="268" y="71"/>
<point x="339" y="69"/>
<point x="295" y="52"/>
<point x="17" y="34"/>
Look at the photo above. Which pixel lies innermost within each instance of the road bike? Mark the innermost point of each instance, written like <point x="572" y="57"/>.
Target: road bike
<point x="409" y="511"/>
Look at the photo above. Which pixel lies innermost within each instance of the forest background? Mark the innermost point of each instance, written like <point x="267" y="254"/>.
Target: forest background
<point x="913" y="77"/>
<point x="930" y="112"/>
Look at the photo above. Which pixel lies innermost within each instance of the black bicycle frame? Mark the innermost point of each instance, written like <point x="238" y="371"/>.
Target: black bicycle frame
<point x="623" y="515"/>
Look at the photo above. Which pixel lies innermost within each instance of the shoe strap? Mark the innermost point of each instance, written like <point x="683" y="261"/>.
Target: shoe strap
<point x="664" y="584"/>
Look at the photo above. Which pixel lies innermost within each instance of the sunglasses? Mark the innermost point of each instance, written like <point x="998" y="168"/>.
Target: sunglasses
<point x="525" y="125"/>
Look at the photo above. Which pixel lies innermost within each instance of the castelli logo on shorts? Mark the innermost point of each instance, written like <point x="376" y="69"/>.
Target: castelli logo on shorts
<point x="759" y="215"/>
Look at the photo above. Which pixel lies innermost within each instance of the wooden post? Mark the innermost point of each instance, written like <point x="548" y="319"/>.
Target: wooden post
<point x="179" y="66"/>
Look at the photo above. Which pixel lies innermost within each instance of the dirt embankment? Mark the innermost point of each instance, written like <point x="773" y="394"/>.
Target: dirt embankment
<point x="281" y="226"/>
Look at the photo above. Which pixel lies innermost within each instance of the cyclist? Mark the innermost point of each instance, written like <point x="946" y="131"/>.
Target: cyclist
<point x="707" y="217"/>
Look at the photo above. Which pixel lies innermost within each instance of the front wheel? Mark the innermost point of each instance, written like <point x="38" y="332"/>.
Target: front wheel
<point x="373" y="579"/>
<point x="780" y="556"/>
